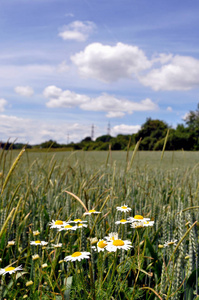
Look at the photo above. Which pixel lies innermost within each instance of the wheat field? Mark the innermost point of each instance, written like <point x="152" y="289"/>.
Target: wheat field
<point x="138" y="234"/>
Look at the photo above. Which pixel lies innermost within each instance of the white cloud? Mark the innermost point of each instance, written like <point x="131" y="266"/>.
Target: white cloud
<point x="169" y="108"/>
<point x="107" y="103"/>
<point x="162" y="58"/>
<point x="59" y="98"/>
<point x="110" y="63"/>
<point x="26" y="91"/>
<point x="3" y="103"/>
<point x="115" y="114"/>
<point x="186" y="116"/>
<point x="63" y="67"/>
<point x="77" y="31"/>
<point x="182" y="73"/>
<point x="52" y="91"/>
<point x="37" y="131"/>
<point x="69" y="15"/>
<point x="125" y="129"/>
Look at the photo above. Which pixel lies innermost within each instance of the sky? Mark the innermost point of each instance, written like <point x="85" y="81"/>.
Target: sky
<point x="68" y="65"/>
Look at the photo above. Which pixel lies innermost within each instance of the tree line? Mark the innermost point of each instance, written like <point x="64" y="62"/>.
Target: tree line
<point x="152" y="135"/>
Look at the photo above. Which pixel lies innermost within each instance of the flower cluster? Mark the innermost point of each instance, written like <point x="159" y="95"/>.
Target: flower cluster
<point x="137" y="221"/>
<point x="110" y="243"/>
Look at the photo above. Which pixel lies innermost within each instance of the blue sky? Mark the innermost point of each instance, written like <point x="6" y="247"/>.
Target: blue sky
<point x="68" y="64"/>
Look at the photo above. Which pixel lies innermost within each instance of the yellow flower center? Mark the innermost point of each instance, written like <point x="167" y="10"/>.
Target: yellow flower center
<point x="170" y="243"/>
<point x="112" y="238"/>
<point x="101" y="244"/>
<point x="77" y="220"/>
<point x="9" y="269"/>
<point x="76" y="254"/>
<point x="138" y="217"/>
<point x="37" y="242"/>
<point x="124" y="207"/>
<point x="80" y="224"/>
<point x="58" y="222"/>
<point x="92" y="211"/>
<point x="118" y="243"/>
<point x="123" y="221"/>
<point x="68" y="226"/>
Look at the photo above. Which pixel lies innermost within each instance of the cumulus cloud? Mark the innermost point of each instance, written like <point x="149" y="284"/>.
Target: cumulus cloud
<point x="125" y="129"/>
<point x="3" y="103"/>
<point x="77" y="31"/>
<point x="110" y="63"/>
<point x="181" y="73"/>
<point x="162" y="72"/>
<point x="107" y="103"/>
<point x="26" y="91"/>
<point x="59" y="98"/>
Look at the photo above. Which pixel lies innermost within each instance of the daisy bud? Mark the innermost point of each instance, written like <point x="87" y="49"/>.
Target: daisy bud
<point x="36" y="256"/>
<point x="28" y="283"/>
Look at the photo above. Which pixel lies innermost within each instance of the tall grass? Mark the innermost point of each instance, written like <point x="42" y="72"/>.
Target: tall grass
<point x="37" y="188"/>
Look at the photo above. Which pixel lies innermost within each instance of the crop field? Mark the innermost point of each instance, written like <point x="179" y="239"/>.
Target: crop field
<point x="99" y="225"/>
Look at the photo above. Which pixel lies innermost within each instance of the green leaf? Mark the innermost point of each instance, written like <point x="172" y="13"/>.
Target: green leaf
<point x="68" y="284"/>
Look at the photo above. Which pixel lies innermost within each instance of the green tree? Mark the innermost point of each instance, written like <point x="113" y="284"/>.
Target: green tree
<point x="192" y="122"/>
<point x="151" y="132"/>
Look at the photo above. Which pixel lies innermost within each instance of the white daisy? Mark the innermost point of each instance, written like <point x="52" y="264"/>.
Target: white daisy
<point x="123" y="221"/>
<point x="137" y="225"/>
<point x="171" y="243"/>
<point x="68" y="227"/>
<point x="138" y="218"/>
<point x="57" y="224"/>
<point x="118" y="244"/>
<point x="77" y="256"/>
<point x="123" y="208"/>
<point x="77" y="221"/>
<point x="10" y="270"/>
<point x="101" y="245"/>
<point x="142" y="224"/>
<point x="92" y="211"/>
<point x="148" y="223"/>
<point x="38" y="243"/>
<point x="80" y="225"/>
<point x="112" y="236"/>
<point x="57" y="245"/>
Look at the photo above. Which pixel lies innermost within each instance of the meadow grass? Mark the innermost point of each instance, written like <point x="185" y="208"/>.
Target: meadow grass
<point x="37" y="188"/>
